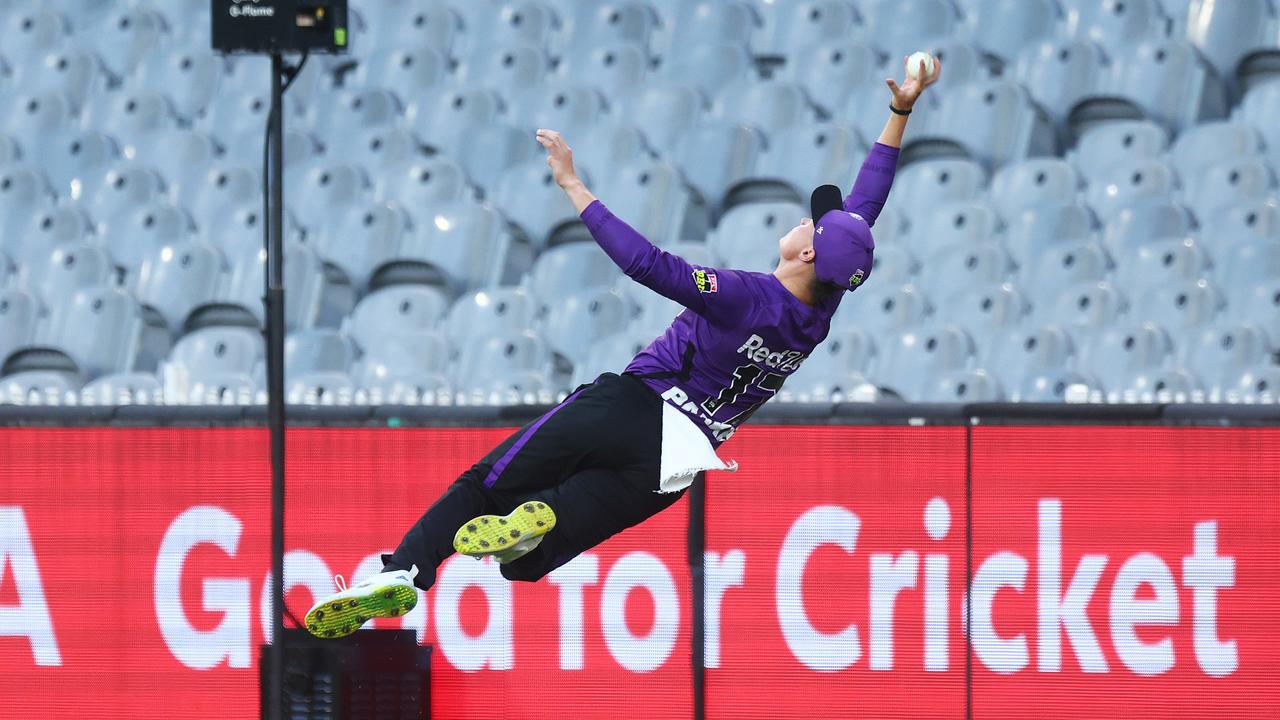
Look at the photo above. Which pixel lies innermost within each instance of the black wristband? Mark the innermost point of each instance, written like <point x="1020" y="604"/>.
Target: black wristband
<point x="899" y="111"/>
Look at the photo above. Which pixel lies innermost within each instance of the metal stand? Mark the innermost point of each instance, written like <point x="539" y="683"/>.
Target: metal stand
<point x="273" y="189"/>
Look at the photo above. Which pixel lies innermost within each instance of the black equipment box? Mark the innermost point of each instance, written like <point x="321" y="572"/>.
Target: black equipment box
<point x="283" y="26"/>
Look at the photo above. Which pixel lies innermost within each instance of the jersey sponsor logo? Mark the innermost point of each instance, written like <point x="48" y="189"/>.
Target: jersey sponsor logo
<point x="706" y="281"/>
<point x="755" y="350"/>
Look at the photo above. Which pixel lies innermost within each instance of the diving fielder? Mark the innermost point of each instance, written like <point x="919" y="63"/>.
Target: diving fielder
<point x="625" y="447"/>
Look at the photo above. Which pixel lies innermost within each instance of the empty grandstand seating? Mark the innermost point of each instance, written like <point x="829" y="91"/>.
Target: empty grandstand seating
<point x="1086" y="207"/>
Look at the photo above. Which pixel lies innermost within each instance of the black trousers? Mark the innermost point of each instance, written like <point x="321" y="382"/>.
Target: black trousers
<point x="595" y="459"/>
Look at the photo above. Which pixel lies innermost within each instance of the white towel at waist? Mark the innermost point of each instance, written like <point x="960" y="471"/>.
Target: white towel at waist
<point x="686" y="451"/>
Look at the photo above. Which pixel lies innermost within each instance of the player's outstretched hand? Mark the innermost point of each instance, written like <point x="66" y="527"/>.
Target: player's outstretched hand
<point x="559" y="157"/>
<point x="905" y="95"/>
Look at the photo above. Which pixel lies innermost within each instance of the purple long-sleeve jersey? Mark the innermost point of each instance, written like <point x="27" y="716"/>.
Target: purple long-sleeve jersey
<point x="742" y="333"/>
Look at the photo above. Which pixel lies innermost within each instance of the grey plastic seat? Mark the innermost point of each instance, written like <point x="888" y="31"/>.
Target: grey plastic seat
<point x="569" y="268"/>
<point x="811" y="155"/>
<point x="1259" y="108"/>
<point x="328" y="387"/>
<point x="134" y="116"/>
<point x="747" y="236"/>
<point x="1259" y="304"/>
<point x="1164" y="80"/>
<point x="126" y="39"/>
<point x="829" y="72"/>
<point x="883" y="25"/>
<point x="883" y="308"/>
<point x="34" y="30"/>
<point x="929" y="183"/>
<point x="177" y="279"/>
<point x="1004" y="27"/>
<point x="394" y="310"/>
<point x="183" y="158"/>
<point x="952" y="224"/>
<point x="984" y="310"/>
<point x="444" y="119"/>
<point x="1227" y="32"/>
<point x="980" y="263"/>
<point x="653" y="312"/>
<point x="1228" y="183"/>
<point x="1130" y="183"/>
<point x="1060" y="72"/>
<point x="1261" y="382"/>
<point x="1029" y="183"/>
<point x="351" y="112"/>
<point x="190" y="77"/>
<point x="50" y="227"/>
<point x="507" y="68"/>
<point x="303" y="276"/>
<point x="491" y="312"/>
<point x="1161" y="385"/>
<point x="32" y="118"/>
<point x="1242" y="222"/>
<point x="965" y="63"/>
<point x="608" y="145"/>
<point x="717" y="155"/>
<point x="964" y="386"/>
<point x="1053" y="385"/>
<point x="693" y="23"/>
<point x="1142" y="223"/>
<point x="75" y="73"/>
<point x="7" y="270"/>
<point x="1250" y="263"/>
<point x="894" y="264"/>
<point x="131" y="388"/>
<point x="221" y="389"/>
<point x="219" y="191"/>
<point x="99" y="328"/>
<point x="120" y="191"/>
<point x="773" y="107"/>
<point x="133" y="237"/>
<point x="664" y="112"/>
<point x="427" y="183"/>
<point x="19" y="317"/>
<point x="1211" y="143"/>
<point x="612" y="22"/>
<point x="1011" y="355"/>
<point x="1112" y="23"/>
<point x="1220" y="353"/>
<point x="409" y="71"/>
<point x="326" y="191"/>
<point x="529" y="194"/>
<point x="1181" y="306"/>
<point x="1087" y="305"/>
<point x="10" y="150"/>
<point x="38" y="387"/>
<point x="786" y="26"/>
<point x="389" y="351"/>
<point x="501" y="356"/>
<point x="50" y="273"/>
<point x="362" y="240"/>
<point x="24" y="193"/>
<point x="610" y="354"/>
<point x="995" y="121"/>
<point x="213" y="351"/>
<point x="520" y="23"/>
<point x="506" y="146"/>
<point x="405" y="388"/>
<point x="612" y="68"/>
<point x="464" y="243"/>
<point x="432" y="25"/>
<point x="651" y="195"/>
<point x="317" y="350"/>
<point x="913" y="358"/>
<point x="1112" y="143"/>
<point x="1162" y="262"/>
<point x="1116" y="352"/>
<point x="575" y="322"/>
<point x="708" y="67"/>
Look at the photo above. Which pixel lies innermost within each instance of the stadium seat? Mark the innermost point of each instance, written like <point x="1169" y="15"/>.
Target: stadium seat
<point x="52" y="226"/>
<point x="528" y="194"/>
<point x="772" y="107"/>
<point x="1242" y="222"/>
<point x="1180" y="306"/>
<point x="963" y="386"/>
<point x="1228" y="183"/>
<point x="1160" y="385"/>
<point x="747" y="236"/>
<point x="786" y="27"/>
<point x="499" y="359"/>
<point x="894" y="264"/>
<point x="613" y="69"/>
<point x="717" y="155"/>
<point x="423" y="25"/>
<point x="883" y="307"/>
<point x="829" y="72"/>
<point x="406" y="388"/>
<point x="984" y="310"/>
<point x="133" y="116"/>
<point x="650" y="196"/>
<point x="994" y="121"/>
<point x="348" y="113"/>
<point x="491" y="312"/>
<point x="127" y="38"/>
<point x="19" y="318"/>
<point x="119" y="192"/>
<point x="326" y="191"/>
<point x="1113" y="143"/>
<point x="611" y="23"/>
<point x="1143" y="223"/>
<point x="7" y="270"/>
<point x="426" y="183"/>
<point x="132" y="237"/>
<point x="174" y="280"/>
<point x="610" y="354"/>
<point x="38" y="387"/>
<point x="1118" y="351"/>
<point x="1246" y="264"/>
<point x="506" y="146"/>
<point x="664" y="113"/>
<point x="210" y="352"/>
<point x="1161" y="262"/>
<point x="362" y="240"/>
<point x="653" y="313"/>
<point x="800" y="160"/>
<point x="952" y="224"/>
<point x="708" y="67"/>
<point x="303" y="276"/>
<point x="523" y="23"/>
<point x="1211" y="143"/>
<point x="1227" y="32"/>
<point x="411" y="71"/>
<point x="1089" y="305"/>
<point x="320" y="388"/>
<point x="445" y="120"/>
<point x="1259" y="383"/>
<point x="691" y="24"/>
<point x="608" y="145"/>
<point x="317" y="350"/>
<point x="1220" y="353"/>
<point x="505" y="68"/>
<point x="51" y="273"/>
<point x="1011" y="355"/>
<point x="74" y="73"/>
<point x="914" y="356"/>
<point x="392" y="310"/>
<point x="1166" y="81"/>
<point x="1260" y="304"/>
<point x="1111" y="23"/>
<point x="191" y="78"/>
<point x="883" y="24"/>
<point x="578" y="319"/>
<point x="929" y="183"/>
<point x="1034" y="182"/>
<point x="1130" y="183"/>
<point x="1259" y="108"/>
<point x="24" y="194"/>
<point x="1004" y="27"/>
<point x="35" y="30"/>
<point x="183" y="159"/>
<point x="570" y="268"/>
<point x="462" y="245"/>
<point x="1065" y="264"/>
<point x="980" y="263"/>
<point x="33" y="118"/>
<point x="132" y="388"/>
<point x="1059" y="73"/>
<point x="99" y="328"/>
<point x="1054" y="385"/>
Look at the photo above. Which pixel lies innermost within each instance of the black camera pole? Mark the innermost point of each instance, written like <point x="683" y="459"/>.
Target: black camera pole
<point x="273" y="190"/>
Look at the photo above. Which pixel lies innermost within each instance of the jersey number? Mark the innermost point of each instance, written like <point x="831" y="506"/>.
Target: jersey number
<point x="743" y="376"/>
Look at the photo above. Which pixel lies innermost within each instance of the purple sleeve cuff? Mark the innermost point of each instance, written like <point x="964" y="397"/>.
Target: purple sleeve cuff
<point x="594" y="215"/>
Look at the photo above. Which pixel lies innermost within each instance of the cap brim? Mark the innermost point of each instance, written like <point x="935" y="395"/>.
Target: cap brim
<point x="824" y="199"/>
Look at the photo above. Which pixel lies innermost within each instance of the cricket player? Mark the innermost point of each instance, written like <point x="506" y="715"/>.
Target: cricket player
<point x="625" y="447"/>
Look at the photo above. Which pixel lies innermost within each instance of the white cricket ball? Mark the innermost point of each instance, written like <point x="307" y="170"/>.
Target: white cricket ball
<point x="913" y="64"/>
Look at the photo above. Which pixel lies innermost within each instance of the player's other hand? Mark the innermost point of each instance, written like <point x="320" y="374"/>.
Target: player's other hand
<point x="559" y="157"/>
<point x="905" y="95"/>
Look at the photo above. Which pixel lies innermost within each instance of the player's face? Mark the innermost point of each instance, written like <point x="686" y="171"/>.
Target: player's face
<point x="796" y="240"/>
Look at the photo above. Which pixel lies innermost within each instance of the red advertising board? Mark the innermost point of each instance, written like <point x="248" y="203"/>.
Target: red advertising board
<point x="1119" y="572"/>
